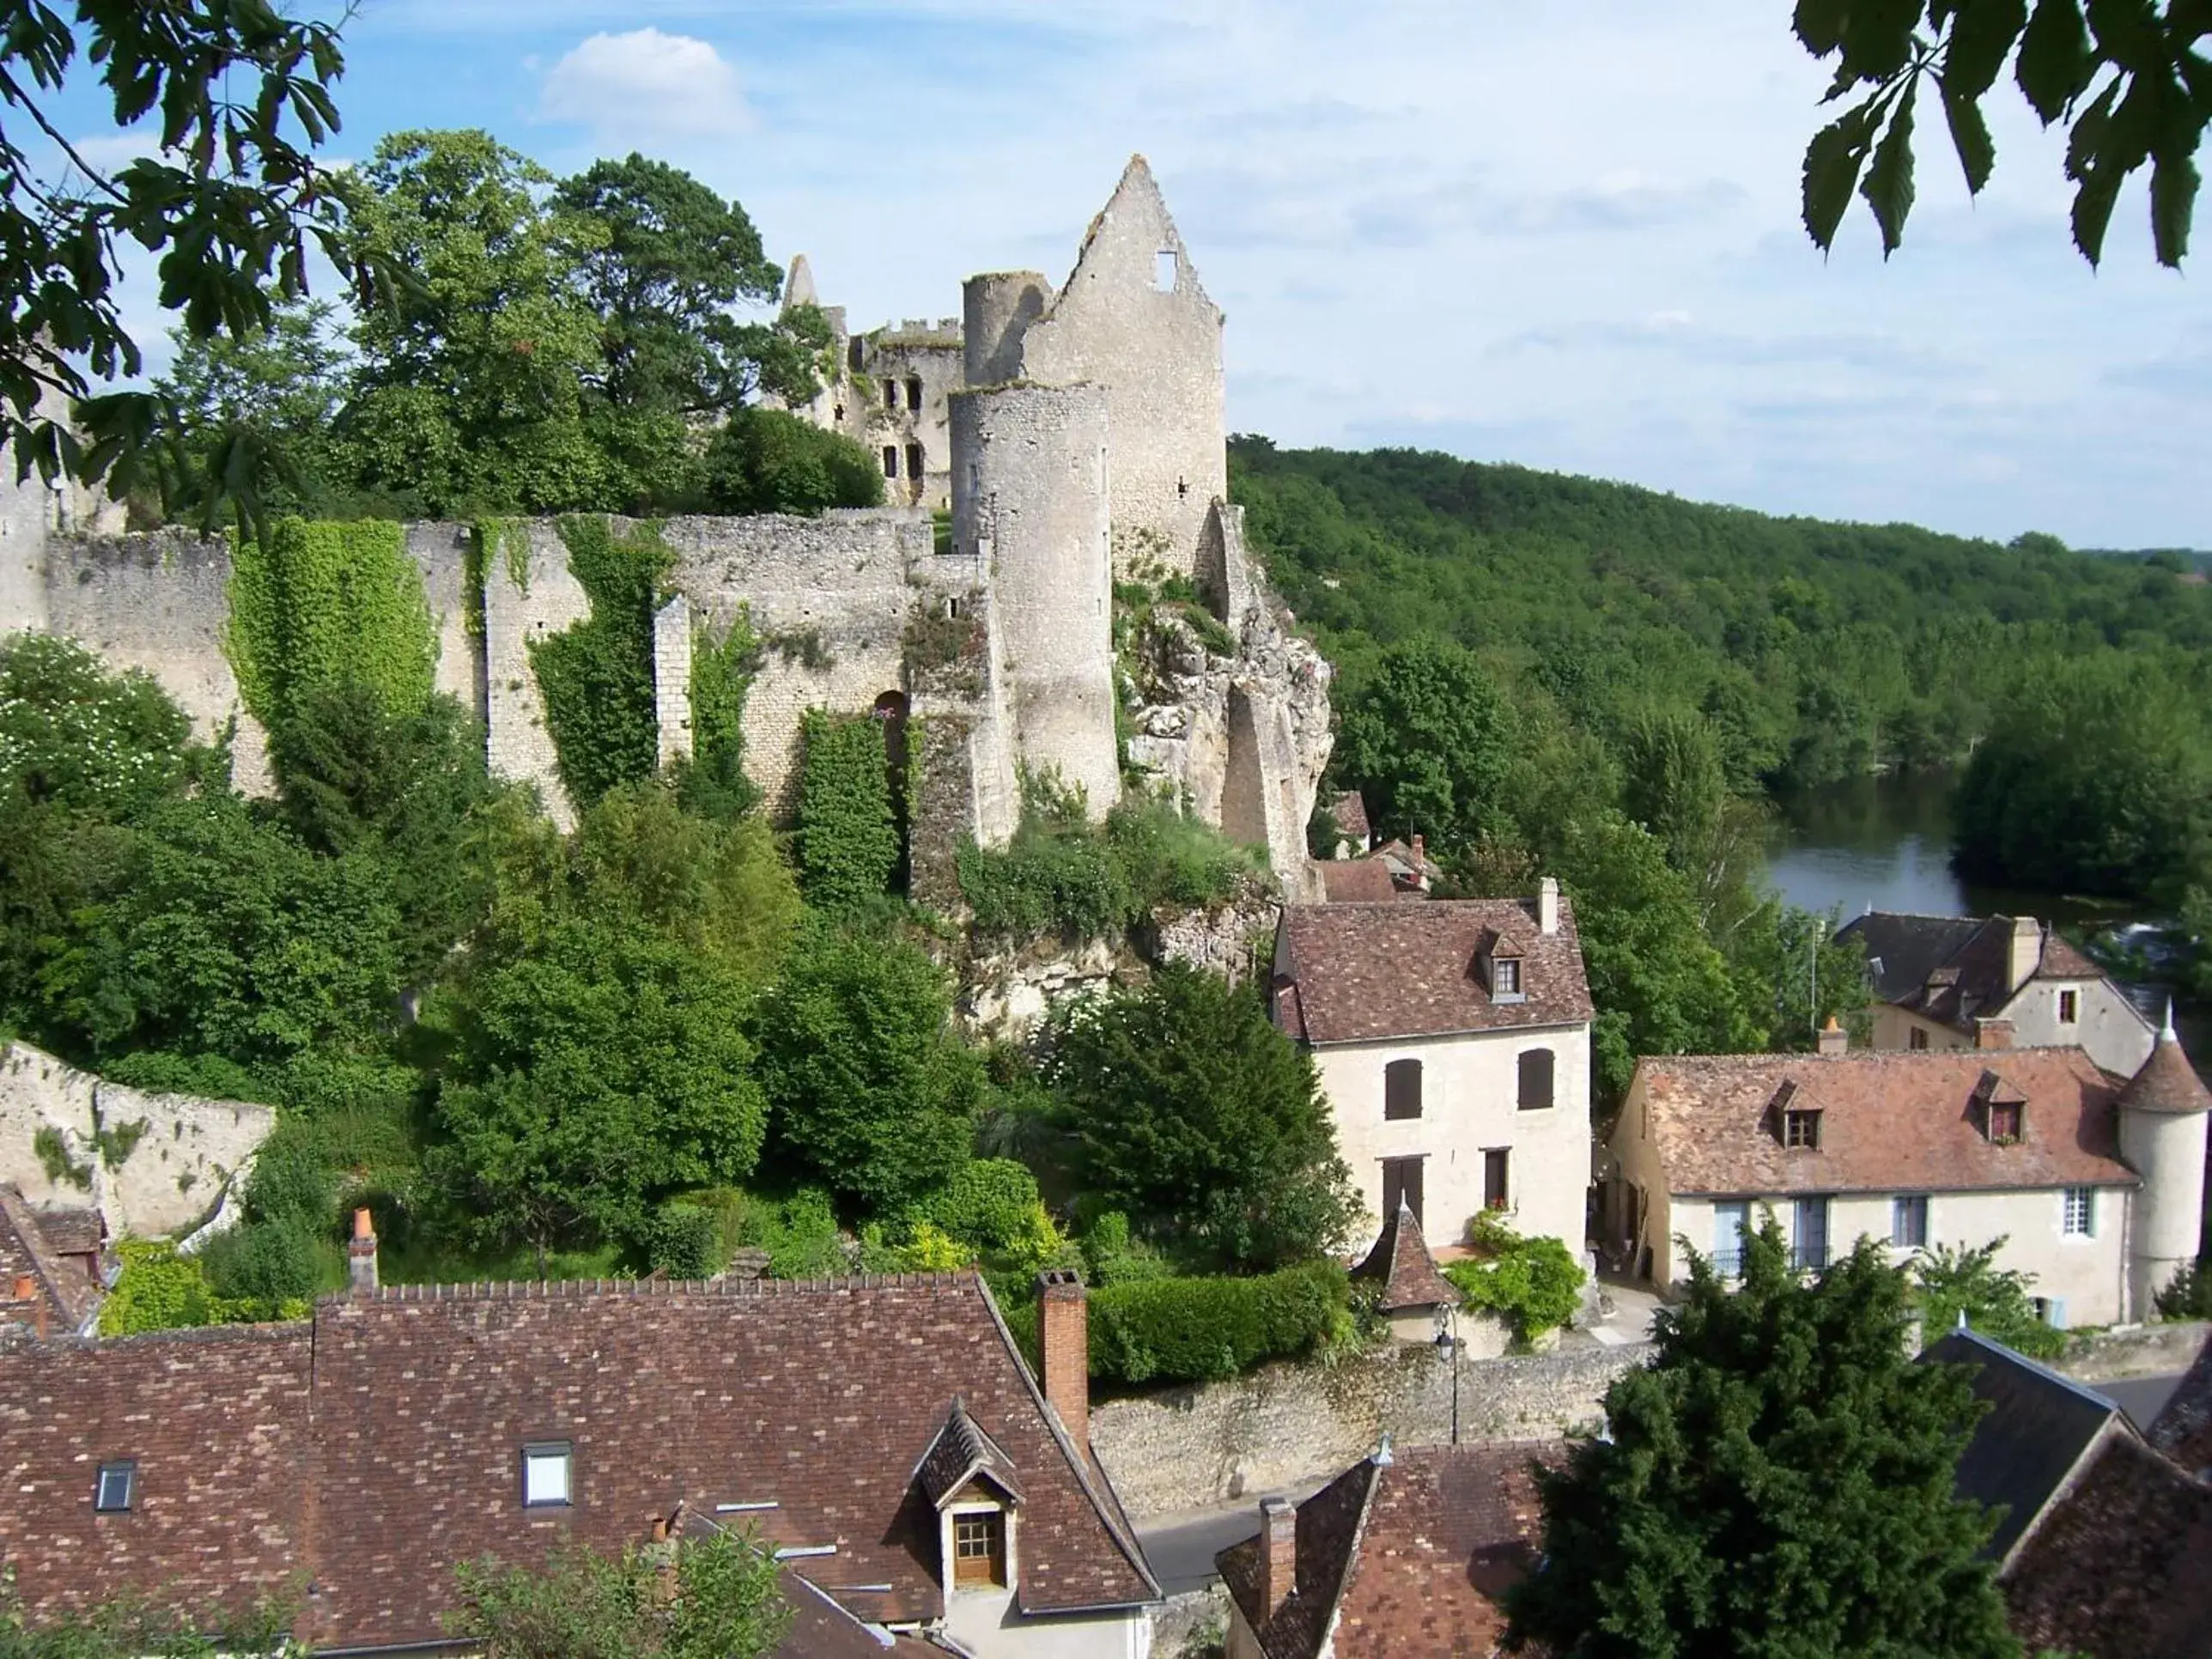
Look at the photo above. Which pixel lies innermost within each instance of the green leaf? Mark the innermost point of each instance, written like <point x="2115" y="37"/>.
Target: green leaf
<point x="1983" y="33"/>
<point x="1970" y="135"/>
<point x="1820" y="24"/>
<point x="1832" y="161"/>
<point x="1888" y="186"/>
<point x="2173" y="182"/>
<point x="2055" y="62"/>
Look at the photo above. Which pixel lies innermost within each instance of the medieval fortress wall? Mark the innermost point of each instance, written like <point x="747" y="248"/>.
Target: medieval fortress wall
<point x="1078" y="437"/>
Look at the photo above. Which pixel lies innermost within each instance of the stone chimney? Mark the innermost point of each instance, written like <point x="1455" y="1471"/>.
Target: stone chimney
<point x="1420" y="853"/>
<point x="2023" y="951"/>
<point x="1064" y="1349"/>
<point x="360" y="1253"/>
<point x="1278" y="1551"/>
<point x="1547" y="905"/>
<point x="1834" y="1040"/>
<point x="1992" y="1033"/>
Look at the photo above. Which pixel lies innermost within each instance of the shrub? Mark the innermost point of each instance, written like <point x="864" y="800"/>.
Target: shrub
<point x="2190" y="1295"/>
<point x="799" y="1233"/>
<point x="1190" y="1330"/>
<point x="1116" y="1258"/>
<point x="991" y="1203"/>
<point x="684" y="1241"/>
<point x="1059" y="874"/>
<point x="849" y="838"/>
<point x="1534" y="1283"/>
<point x="267" y="1263"/>
<point x="765" y="460"/>
<point x="1948" y="1280"/>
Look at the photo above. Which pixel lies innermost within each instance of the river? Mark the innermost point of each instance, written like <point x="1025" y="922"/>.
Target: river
<point x="1884" y="843"/>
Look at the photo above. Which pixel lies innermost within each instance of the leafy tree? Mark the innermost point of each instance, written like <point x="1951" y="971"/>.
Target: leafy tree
<point x="1777" y="1481"/>
<point x="1675" y="785"/>
<point x="228" y="206"/>
<point x="1951" y="1281"/>
<point x="595" y="1072"/>
<point x="871" y="1093"/>
<point x="1533" y="1282"/>
<point x="766" y="460"/>
<point x="674" y="260"/>
<point x="1427" y="740"/>
<point x="130" y="1627"/>
<point x="715" y="1597"/>
<point x="1185" y="1109"/>
<point x="2131" y="83"/>
<point x="469" y="391"/>
<point x="74" y="733"/>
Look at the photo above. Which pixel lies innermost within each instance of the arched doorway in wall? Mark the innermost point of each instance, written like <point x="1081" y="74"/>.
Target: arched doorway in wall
<point x="892" y="710"/>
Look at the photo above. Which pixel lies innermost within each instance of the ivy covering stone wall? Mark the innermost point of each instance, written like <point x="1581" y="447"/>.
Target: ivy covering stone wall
<point x="312" y="603"/>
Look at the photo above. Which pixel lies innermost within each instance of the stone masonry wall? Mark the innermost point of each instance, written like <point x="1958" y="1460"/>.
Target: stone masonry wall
<point x="1191" y="1447"/>
<point x="178" y="1165"/>
<point x="528" y="595"/>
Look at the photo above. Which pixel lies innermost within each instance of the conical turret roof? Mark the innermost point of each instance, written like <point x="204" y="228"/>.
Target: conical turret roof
<point x="2167" y="1082"/>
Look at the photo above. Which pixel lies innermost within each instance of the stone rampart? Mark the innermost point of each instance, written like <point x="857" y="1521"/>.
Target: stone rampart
<point x="153" y="1164"/>
<point x="1191" y="1447"/>
<point x="529" y="594"/>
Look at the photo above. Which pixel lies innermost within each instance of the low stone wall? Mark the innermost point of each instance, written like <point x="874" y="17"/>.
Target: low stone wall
<point x="2134" y="1351"/>
<point x="1193" y="1448"/>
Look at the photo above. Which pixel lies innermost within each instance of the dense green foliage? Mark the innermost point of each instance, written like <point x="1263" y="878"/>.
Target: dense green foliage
<point x="849" y="844"/>
<point x="1062" y="874"/>
<point x="766" y="460"/>
<point x="596" y="675"/>
<point x="315" y="603"/>
<point x="724" y="1604"/>
<point x="1193" y="1330"/>
<point x="1777" y="1481"/>
<point x="130" y="1626"/>
<point x="1951" y="1281"/>
<point x="1187" y="1110"/>
<point x="1534" y="1283"/>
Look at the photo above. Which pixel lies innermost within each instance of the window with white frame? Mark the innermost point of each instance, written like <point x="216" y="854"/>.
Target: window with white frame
<point x="545" y="1475"/>
<point x="1908" y="1221"/>
<point x="2081" y="1212"/>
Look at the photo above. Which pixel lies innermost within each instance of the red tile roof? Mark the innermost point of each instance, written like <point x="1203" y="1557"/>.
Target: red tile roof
<point x="1350" y="811"/>
<point x="1409" y="1273"/>
<point x="1369" y="972"/>
<point x="1889" y="1122"/>
<point x="1404" y="1558"/>
<point x="820" y="1399"/>
<point x="63" y="1295"/>
<point x="2167" y="1082"/>
<point x="1355" y="881"/>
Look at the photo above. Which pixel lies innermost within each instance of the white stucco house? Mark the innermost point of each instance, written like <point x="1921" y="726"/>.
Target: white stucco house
<point x="1453" y="1042"/>
<point x="1936" y="979"/>
<point x="2095" y="1181"/>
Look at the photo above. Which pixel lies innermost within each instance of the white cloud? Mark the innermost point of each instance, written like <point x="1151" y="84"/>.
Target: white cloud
<point x="646" y="82"/>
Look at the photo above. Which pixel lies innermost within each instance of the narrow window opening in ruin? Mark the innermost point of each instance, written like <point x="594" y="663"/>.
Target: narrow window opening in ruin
<point x="1163" y="271"/>
<point x="890" y="394"/>
<point x="916" y="464"/>
<point x="952" y="610"/>
<point x="838" y="413"/>
<point x="976" y="475"/>
<point x="913" y="392"/>
<point x="852" y="355"/>
<point x="891" y="460"/>
<point x="1182" y="489"/>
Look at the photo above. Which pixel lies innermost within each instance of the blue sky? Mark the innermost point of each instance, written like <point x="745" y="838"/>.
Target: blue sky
<point x="1563" y="236"/>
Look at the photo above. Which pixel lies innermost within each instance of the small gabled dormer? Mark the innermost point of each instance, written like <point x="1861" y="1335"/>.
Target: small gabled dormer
<point x="1793" y="1120"/>
<point x="970" y="1484"/>
<point x="1502" y="967"/>
<point x="2000" y="1110"/>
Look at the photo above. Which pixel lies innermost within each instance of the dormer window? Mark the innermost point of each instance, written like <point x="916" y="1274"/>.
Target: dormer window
<point x="1801" y="1130"/>
<point x="1498" y="962"/>
<point x="1505" y="977"/>
<point x="966" y="1476"/>
<point x="116" y="1490"/>
<point x="2005" y="1121"/>
<point x="2002" y="1109"/>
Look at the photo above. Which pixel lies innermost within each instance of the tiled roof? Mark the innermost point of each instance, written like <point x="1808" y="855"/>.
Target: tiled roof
<point x="2038" y="1428"/>
<point x="1365" y="972"/>
<point x="1403" y="1558"/>
<point x="2122" y="1566"/>
<point x="1402" y="1260"/>
<point x="67" y="1293"/>
<point x="2167" y="1082"/>
<point x="1954" y="970"/>
<point x="1889" y="1122"/>
<point x="960" y="1453"/>
<point x="1350" y="811"/>
<point x="74" y="1232"/>
<point x="1355" y="881"/>
<point x="817" y="1400"/>
<point x="2182" y="1430"/>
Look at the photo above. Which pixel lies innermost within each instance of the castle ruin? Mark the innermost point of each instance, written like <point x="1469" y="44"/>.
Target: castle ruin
<point x="1077" y="436"/>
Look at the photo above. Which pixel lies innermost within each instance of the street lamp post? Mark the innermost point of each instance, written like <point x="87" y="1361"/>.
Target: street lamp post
<point x="1449" y="1345"/>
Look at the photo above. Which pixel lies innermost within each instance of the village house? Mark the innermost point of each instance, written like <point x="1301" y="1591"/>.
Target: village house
<point x="1453" y="1042"/>
<point x="52" y="1266"/>
<point x="2094" y="1181"/>
<point x="1935" y="979"/>
<point x="882" y="1435"/>
<point x="1406" y="1553"/>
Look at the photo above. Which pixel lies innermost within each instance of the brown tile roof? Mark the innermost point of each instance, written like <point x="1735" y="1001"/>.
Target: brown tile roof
<point x="2122" y="1566"/>
<point x="1404" y="1557"/>
<point x="820" y="1399"/>
<point x="1953" y="968"/>
<point x="1889" y="1122"/>
<point x="77" y="1231"/>
<point x="1402" y="1260"/>
<point x="1365" y="972"/>
<point x="1350" y="811"/>
<point x="2182" y="1428"/>
<point x="2167" y="1082"/>
<point x="1355" y="881"/>
<point x="960" y="1453"/>
<point x="63" y="1295"/>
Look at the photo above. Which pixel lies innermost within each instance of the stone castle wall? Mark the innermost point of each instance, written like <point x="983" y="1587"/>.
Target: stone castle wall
<point x="529" y="594"/>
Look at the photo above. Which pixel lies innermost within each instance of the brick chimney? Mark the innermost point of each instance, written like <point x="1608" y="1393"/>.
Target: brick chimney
<point x="1834" y="1040"/>
<point x="1991" y="1033"/>
<point x="1064" y="1349"/>
<point x="360" y="1253"/>
<point x="1278" y="1551"/>
<point x="2023" y="951"/>
<point x="1547" y="905"/>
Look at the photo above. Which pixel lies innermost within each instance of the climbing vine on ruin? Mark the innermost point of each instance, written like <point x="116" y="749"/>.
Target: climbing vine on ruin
<point x="596" y="676"/>
<point x="848" y="839"/>
<point x="315" y="603"/>
<point x="721" y="673"/>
